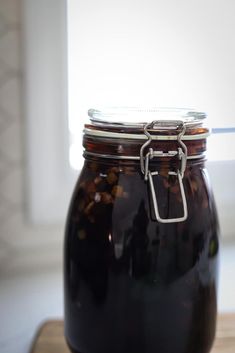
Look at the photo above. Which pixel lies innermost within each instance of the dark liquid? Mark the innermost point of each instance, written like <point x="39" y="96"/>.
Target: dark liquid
<point x="133" y="285"/>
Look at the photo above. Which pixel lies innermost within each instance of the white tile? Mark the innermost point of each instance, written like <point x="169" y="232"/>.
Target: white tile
<point x="9" y="49"/>
<point x="4" y="115"/>
<point x="3" y="124"/>
<point x="10" y="97"/>
<point x="13" y="231"/>
<point x="3" y="69"/>
<point x="5" y="251"/>
<point x="4" y="214"/>
<point x="11" y="186"/>
<point x="3" y="168"/>
<point x="22" y="236"/>
<point x="11" y="142"/>
<point x="31" y="259"/>
<point x="5" y="120"/>
<point x="10" y="9"/>
<point x="3" y="23"/>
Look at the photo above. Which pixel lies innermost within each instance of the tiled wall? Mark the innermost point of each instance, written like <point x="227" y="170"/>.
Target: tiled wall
<point x="22" y="245"/>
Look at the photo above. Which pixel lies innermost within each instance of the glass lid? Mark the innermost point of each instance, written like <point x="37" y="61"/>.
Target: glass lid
<point x="132" y="117"/>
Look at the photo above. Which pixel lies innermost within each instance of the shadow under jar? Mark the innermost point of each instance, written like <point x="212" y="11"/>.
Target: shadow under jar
<point x="141" y="243"/>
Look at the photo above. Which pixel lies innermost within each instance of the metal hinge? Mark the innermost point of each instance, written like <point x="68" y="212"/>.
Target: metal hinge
<point x="181" y="154"/>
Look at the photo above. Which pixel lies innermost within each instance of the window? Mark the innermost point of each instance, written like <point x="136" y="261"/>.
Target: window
<point x="153" y="53"/>
<point x="158" y="53"/>
<point x="123" y="53"/>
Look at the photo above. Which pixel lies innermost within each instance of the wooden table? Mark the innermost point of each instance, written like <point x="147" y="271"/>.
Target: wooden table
<point x="50" y="337"/>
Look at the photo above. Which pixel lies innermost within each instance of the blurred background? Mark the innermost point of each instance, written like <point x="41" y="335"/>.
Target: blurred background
<point x="59" y="58"/>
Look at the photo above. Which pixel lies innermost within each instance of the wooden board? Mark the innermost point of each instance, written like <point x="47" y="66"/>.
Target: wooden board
<point x="50" y="337"/>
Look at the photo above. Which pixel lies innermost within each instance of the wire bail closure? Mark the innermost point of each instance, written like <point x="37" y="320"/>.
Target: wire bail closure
<point x="181" y="153"/>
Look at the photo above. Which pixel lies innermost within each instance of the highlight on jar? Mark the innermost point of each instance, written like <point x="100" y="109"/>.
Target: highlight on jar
<point x="141" y="243"/>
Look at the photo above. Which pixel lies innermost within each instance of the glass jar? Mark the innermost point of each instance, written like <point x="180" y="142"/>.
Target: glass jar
<point x="141" y="242"/>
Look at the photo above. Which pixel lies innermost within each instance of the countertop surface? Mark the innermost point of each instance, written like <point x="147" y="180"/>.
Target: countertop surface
<point x="50" y="338"/>
<point x="30" y="298"/>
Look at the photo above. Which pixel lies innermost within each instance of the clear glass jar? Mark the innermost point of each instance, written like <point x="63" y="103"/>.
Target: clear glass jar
<point x="141" y="243"/>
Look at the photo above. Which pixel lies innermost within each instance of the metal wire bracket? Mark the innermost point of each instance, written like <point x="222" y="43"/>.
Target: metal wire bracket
<point x="181" y="153"/>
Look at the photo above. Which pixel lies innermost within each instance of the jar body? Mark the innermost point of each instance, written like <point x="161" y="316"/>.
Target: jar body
<point x="133" y="284"/>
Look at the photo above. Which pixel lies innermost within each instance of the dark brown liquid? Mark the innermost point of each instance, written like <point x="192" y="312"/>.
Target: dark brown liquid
<point x="133" y="285"/>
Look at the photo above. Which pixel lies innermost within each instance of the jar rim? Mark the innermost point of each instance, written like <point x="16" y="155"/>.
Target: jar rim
<point x="136" y="123"/>
<point x="135" y="117"/>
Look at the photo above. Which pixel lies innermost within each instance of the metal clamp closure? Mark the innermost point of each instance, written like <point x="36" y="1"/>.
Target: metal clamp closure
<point x="181" y="153"/>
